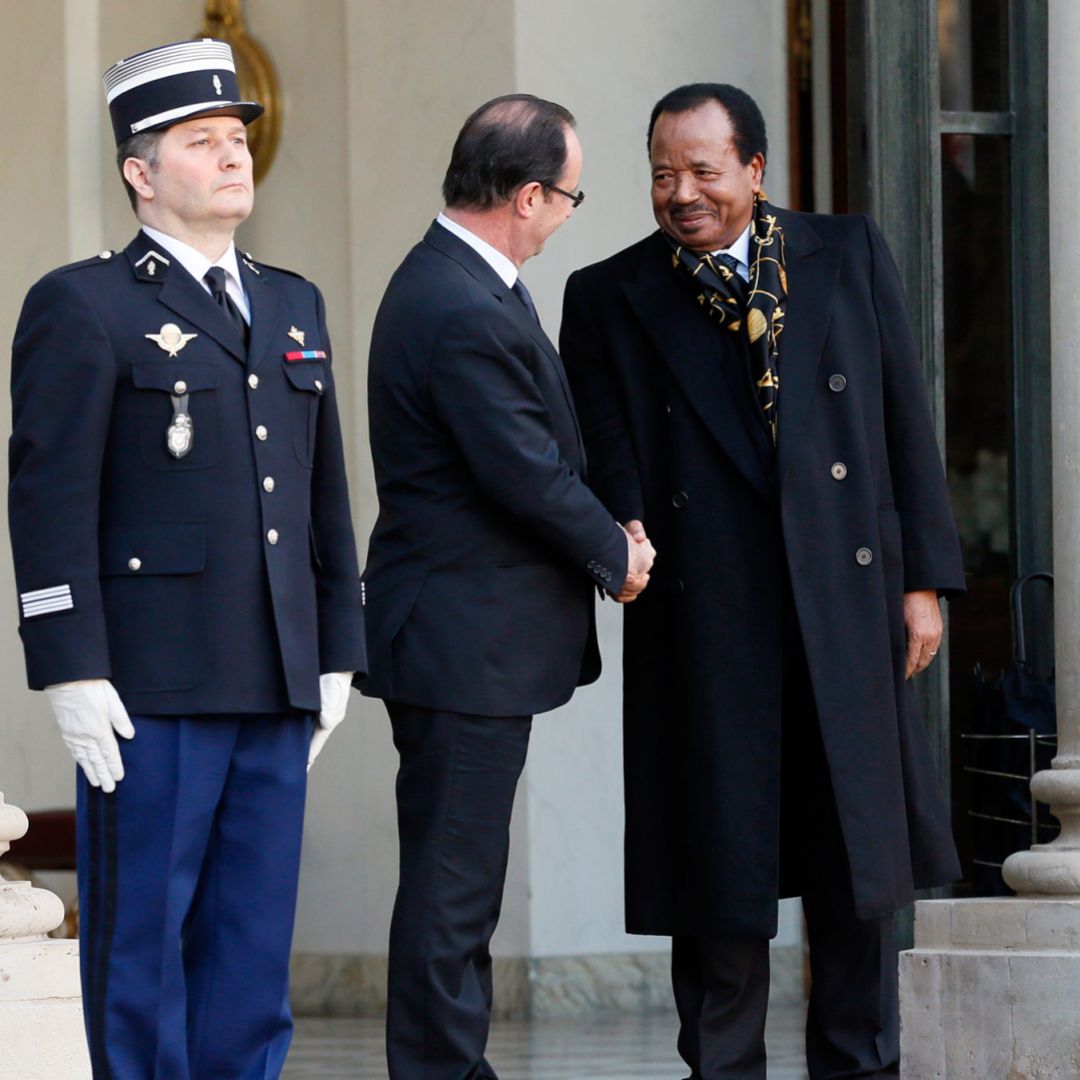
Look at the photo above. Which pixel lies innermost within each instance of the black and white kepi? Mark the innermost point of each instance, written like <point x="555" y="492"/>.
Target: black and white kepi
<point x="172" y="83"/>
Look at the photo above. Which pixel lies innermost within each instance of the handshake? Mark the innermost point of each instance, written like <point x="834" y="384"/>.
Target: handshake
<point x="639" y="562"/>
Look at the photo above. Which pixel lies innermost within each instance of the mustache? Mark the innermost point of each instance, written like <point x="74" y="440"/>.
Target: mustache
<point x="689" y="211"/>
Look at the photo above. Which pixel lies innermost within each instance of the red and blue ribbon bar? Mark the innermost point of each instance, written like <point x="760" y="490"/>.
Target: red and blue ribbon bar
<point x="307" y="354"/>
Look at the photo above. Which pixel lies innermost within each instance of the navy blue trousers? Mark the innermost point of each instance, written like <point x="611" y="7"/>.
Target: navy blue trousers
<point x="187" y="891"/>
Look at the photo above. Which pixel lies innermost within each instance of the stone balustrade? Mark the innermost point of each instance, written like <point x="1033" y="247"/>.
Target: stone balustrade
<point x="41" y="1029"/>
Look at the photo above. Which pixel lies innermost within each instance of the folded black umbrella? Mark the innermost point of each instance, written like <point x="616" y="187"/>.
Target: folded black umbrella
<point x="1013" y="736"/>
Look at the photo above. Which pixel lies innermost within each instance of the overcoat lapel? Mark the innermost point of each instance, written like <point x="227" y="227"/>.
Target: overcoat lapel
<point x="267" y="324"/>
<point x="711" y="372"/>
<point x="182" y="294"/>
<point x="812" y="271"/>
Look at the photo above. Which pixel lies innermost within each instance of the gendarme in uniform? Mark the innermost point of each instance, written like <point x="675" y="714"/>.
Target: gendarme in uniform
<point x="181" y="533"/>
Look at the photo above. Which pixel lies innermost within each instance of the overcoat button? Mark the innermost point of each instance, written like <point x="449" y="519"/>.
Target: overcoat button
<point x="679" y="500"/>
<point x="179" y="387"/>
<point x="667" y="409"/>
<point x="864" y="556"/>
<point x="837" y="383"/>
<point x="677" y="586"/>
<point x="135" y="564"/>
<point x="253" y="382"/>
<point x="261" y="433"/>
<point x="839" y="470"/>
<point x="318" y="385"/>
<point x="268" y="484"/>
<point x="272" y="536"/>
<point x="105" y="254"/>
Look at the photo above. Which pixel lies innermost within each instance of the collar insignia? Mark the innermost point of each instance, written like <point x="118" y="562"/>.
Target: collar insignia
<point x="152" y="254"/>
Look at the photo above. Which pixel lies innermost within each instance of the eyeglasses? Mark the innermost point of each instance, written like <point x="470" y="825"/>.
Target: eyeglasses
<point x="577" y="199"/>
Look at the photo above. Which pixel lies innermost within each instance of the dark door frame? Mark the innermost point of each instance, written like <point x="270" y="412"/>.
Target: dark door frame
<point x="893" y="131"/>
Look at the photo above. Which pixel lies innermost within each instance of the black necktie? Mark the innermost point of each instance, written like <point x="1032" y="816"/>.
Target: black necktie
<point x="522" y="294"/>
<point x="215" y="278"/>
<point x="732" y="264"/>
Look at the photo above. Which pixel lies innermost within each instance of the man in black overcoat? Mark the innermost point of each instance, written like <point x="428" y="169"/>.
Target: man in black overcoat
<point x="483" y="565"/>
<point x="749" y="390"/>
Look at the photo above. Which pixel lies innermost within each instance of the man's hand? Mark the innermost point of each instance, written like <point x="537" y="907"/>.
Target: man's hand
<point x="88" y="712"/>
<point x="922" y="620"/>
<point x="333" y="699"/>
<point x="640" y="556"/>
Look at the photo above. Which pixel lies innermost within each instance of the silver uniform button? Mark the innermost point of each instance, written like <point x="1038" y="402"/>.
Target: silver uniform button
<point x="105" y="254"/>
<point x="272" y="536"/>
<point x="179" y="387"/>
<point x="839" y="470"/>
<point x="837" y="383"/>
<point x="261" y="433"/>
<point x="135" y="564"/>
<point x="268" y="484"/>
<point x="318" y="385"/>
<point x="253" y="382"/>
<point x="864" y="556"/>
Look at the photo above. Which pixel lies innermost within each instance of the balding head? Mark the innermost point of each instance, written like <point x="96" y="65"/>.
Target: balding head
<point x="506" y="143"/>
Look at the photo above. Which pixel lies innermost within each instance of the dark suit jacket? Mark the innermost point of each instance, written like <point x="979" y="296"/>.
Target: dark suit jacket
<point x="752" y="540"/>
<point x="166" y="577"/>
<point x="483" y="563"/>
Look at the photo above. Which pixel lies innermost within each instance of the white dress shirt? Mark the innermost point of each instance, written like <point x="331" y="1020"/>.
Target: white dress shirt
<point x="498" y="262"/>
<point x="196" y="264"/>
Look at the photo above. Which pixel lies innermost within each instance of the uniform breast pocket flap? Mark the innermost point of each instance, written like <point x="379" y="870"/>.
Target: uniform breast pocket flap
<point x="309" y="381"/>
<point x="177" y="403"/>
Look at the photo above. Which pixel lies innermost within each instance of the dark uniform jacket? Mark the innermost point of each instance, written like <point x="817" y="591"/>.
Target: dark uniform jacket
<point x="223" y="581"/>
<point x="482" y="567"/>
<point x="844" y="517"/>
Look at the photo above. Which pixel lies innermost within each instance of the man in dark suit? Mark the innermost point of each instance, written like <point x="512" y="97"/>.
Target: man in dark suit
<point x="483" y="563"/>
<point x="188" y="580"/>
<point x="749" y="390"/>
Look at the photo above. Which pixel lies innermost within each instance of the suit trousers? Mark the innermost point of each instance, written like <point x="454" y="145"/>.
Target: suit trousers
<point x="455" y="794"/>
<point x="187" y="891"/>
<point x="722" y="984"/>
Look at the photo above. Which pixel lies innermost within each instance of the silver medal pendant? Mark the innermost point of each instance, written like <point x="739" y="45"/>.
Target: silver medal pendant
<point x="181" y="433"/>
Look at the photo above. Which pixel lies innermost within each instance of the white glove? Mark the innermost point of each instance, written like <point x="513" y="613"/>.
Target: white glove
<point x="333" y="698"/>
<point x="88" y="712"/>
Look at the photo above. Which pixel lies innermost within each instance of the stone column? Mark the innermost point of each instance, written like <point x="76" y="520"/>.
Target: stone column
<point x="1054" y="869"/>
<point x="992" y="987"/>
<point x="41" y="1028"/>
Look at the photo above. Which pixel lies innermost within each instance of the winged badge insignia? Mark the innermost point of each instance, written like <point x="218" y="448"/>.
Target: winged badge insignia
<point x="297" y="336"/>
<point x="171" y="338"/>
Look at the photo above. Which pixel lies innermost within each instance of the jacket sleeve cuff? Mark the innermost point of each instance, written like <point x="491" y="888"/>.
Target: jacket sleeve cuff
<point x="341" y="640"/>
<point x="65" y="648"/>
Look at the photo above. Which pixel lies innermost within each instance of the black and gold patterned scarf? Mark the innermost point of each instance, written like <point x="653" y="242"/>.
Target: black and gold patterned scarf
<point x="755" y="311"/>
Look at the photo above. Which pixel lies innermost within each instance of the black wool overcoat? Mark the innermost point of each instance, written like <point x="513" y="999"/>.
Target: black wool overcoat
<point x="674" y="437"/>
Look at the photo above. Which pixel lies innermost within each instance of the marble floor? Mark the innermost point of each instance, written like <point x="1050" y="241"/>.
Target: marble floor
<point x="616" y="1048"/>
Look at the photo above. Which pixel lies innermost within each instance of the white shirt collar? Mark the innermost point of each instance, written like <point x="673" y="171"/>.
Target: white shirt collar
<point x="498" y="262"/>
<point x="741" y="251"/>
<point x="196" y="264"/>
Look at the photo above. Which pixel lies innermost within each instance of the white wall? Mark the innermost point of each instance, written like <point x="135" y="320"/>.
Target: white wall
<point x="374" y="93"/>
